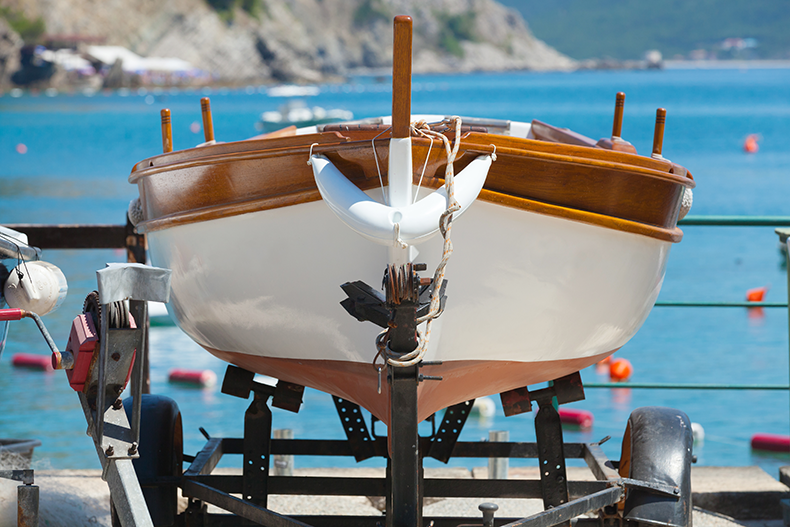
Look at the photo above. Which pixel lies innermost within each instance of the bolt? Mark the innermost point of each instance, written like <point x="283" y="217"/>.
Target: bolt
<point x="110" y="451"/>
<point x="116" y="356"/>
<point x="676" y="490"/>
<point x="117" y="405"/>
<point x="133" y="449"/>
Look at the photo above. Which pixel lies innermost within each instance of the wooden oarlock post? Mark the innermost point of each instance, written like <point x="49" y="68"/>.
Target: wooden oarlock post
<point x="400" y="168"/>
<point x="208" y="124"/>
<point x="616" y="142"/>
<point x="167" y="131"/>
<point x="617" y="126"/>
<point x="658" y="134"/>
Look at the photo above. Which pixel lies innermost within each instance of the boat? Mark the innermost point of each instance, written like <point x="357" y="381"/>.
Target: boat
<point x="296" y="113"/>
<point x="559" y="247"/>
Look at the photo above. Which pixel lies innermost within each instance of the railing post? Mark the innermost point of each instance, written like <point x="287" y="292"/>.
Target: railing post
<point x="784" y="235"/>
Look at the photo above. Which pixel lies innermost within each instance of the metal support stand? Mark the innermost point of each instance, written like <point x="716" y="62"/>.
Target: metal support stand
<point x="405" y="450"/>
<point x="551" y="457"/>
<point x="257" y="450"/>
<point x="402" y="286"/>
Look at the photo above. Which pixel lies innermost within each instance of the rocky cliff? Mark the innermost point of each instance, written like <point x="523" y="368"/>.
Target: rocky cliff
<point x="303" y="40"/>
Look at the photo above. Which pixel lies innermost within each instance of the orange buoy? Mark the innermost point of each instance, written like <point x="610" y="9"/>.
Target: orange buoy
<point x="201" y="378"/>
<point x="21" y="148"/>
<point x="750" y="145"/>
<point x="571" y="416"/>
<point x="620" y="370"/>
<point x="771" y="442"/>
<point x="33" y="361"/>
<point x="756" y="294"/>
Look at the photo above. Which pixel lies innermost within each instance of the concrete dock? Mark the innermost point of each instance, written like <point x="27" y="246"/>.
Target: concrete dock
<point x="722" y="497"/>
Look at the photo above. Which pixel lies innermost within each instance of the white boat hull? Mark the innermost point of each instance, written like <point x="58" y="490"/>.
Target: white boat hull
<point x="546" y="293"/>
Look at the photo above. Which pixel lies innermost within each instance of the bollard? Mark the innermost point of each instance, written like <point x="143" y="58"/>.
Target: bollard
<point x="27" y="506"/>
<point x="498" y="466"/>
<point x="488" y="509"/>
<point x="284" y="464"/>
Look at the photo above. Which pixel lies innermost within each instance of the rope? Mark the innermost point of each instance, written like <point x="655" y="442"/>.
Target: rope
<point x="445" y="227"/>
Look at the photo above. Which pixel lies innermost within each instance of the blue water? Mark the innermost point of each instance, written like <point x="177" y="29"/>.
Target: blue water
<point x="80" y="150"/>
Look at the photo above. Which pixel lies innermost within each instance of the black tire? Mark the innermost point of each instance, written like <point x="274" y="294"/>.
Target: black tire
<point x="657" y="449"/>
<point x="161" y="455"/>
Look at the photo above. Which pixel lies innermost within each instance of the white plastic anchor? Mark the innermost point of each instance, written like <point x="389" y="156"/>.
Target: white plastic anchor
<point x="376" y="221"/>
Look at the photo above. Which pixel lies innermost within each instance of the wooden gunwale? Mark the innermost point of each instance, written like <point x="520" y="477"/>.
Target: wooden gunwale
<point x="504" y="186"/>
<point x="248" y="145"/>
<point x="381" y="143"/>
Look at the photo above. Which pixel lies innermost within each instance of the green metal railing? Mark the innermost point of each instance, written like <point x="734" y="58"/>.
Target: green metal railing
<point x="721" y="221"/>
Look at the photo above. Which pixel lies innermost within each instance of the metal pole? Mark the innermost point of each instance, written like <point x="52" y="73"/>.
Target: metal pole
<point x="27" y="506"/>
<point x="498" y="466"/>
<point x="284" y="464"/>
<point x="784" y="237"/>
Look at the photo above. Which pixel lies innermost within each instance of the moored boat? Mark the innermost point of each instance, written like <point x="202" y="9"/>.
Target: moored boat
<point x="560" y="246"/>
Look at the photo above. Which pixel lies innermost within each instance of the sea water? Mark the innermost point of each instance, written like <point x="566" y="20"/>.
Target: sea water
<point x="79" y="150"/>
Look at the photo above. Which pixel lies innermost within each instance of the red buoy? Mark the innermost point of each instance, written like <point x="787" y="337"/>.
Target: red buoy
<point x="620" y="370"/>
<point x="750" y="145"/>
<point x="571" y="416"/>
<point x="201" y="378"/>
<point x="32" y="361"/>
<point x="771" y="442"/>
<point x="756" y="294"/>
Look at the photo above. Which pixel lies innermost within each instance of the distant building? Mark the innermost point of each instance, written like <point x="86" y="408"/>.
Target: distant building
<point x="134" y="63"/>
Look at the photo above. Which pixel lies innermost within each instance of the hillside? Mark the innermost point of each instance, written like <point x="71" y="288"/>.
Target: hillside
<point x="300" y="40"/>
<point x="625" y="29"/>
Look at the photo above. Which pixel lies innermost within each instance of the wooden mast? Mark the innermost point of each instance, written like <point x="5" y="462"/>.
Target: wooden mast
<point x="401" y="76"/>
<point x="400" y="169"/>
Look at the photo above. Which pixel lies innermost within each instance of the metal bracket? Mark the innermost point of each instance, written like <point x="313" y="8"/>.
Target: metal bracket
<point x="23" y="476"/>
<point x="654" y="488"/>
<point x="257" y="451"/>
<point x="239" y="382"/>
<point x="551" y="456"/>
<point x="444" y="440"/>
<point x="566" y="389"/>
<point x="367" y="304"/>
<point x="356" y="431"/>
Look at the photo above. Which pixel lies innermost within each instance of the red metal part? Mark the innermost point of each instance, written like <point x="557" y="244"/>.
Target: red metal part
<point x="83" y="339"/>
<point x="11" y="314"/>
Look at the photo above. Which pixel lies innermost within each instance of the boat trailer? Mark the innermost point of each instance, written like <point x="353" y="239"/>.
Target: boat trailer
<point x="139" y="440"/>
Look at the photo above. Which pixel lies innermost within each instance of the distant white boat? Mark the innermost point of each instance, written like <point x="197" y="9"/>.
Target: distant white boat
<point x="293" y="90"/>
<point x="298" y="114"/>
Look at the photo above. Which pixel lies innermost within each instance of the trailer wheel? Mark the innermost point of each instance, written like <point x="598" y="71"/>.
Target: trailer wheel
<point x="161" y="455"/>
<point x="657" y="449"/>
